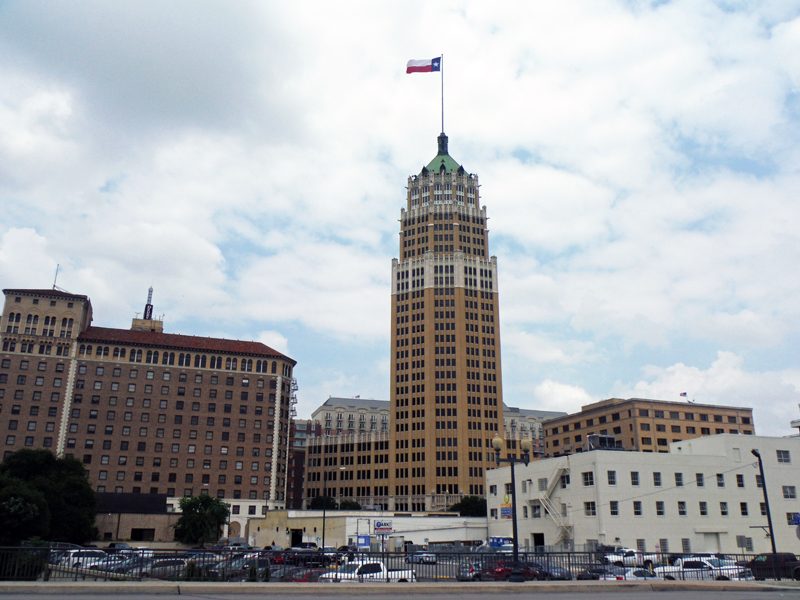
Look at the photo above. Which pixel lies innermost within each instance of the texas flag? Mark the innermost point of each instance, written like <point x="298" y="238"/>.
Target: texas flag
<point x="424" y="66"/>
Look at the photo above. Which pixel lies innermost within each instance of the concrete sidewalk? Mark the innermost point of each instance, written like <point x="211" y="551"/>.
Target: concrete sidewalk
<point x="360" y="589"/>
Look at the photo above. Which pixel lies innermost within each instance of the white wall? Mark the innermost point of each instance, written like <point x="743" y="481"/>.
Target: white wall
<point x="728" y="455"/>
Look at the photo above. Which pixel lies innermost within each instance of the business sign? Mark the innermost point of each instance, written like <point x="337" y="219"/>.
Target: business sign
<point x="383" y="527"/>
<point x="795" y="519"/>
<point x="505" y="510"/>
<point x="363" y="541"/>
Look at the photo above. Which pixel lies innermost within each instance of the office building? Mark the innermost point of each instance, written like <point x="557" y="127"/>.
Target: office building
<point x="446" y="389"/>
<point x="644" y="425"/>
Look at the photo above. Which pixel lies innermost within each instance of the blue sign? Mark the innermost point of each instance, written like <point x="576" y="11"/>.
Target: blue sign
<point x="795" y="519"/>
<point x="363" y="541"/>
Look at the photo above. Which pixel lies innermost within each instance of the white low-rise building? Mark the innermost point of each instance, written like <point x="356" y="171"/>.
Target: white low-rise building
<point x="704" y="496"/>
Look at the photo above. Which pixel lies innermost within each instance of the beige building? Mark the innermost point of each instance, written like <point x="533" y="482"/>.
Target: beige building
<point x="644" y="425"/>
<point x="354" y="451"/>
<point x="145" y="411"/>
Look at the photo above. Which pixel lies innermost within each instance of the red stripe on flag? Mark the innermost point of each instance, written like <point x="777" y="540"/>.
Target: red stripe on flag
<point x="425" y="69"/>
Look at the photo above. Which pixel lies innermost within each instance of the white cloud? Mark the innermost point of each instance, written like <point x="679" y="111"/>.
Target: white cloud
<point x="275" y="340"/>
<point x="638" y="162"/>
<point x="555" y="396"/>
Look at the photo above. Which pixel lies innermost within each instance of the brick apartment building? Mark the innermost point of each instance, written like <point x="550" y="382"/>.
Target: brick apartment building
<point x="145" y="411"/>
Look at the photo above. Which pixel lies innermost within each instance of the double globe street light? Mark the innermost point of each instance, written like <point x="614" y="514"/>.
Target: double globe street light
<point x="525" y="445"/>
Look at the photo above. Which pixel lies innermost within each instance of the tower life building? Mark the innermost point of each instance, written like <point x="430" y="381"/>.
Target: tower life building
<point x="446" y="396"/>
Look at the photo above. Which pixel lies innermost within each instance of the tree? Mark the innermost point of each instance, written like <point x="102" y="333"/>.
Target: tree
<point x="62" y="483"/>
<point x="202" y="519"/>
<point x="349" y="505"/>
<point x="470" y="506"/>
<point x="323" y="501"/>
<point x="23" y="512"/>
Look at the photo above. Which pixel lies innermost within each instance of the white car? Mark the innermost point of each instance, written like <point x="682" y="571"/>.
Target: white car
<point x="421" y="557"/>
<point x="633" y="574"/>
<point x="82" y="558"/>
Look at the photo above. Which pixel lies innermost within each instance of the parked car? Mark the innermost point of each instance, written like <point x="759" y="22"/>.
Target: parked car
<point x="769" y="565"/>
<point x="81" y="558"/>
<point x="548" y="571"/>
<point x="368" y="570"/>
<point x="308" y="575"/>
<point x="167" y="568"/>
<point x="133" y="566"/>
<point x="283" y="573"/>
<point x="602" y="571"/>
<point x="626" y="557"/>
<point x="700" y="568"/>
<point x="630" y="574"/>
<point x="502" y="571"/>
<point x="421" y="557"/>
<point x="115" y="547"/>
<point x="469" y="571"/>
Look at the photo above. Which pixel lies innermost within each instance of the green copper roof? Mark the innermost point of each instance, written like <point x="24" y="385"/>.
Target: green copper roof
<point x="442" y="158"/>
<point x="450" y="165"/>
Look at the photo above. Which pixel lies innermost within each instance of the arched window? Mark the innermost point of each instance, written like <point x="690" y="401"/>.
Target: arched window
<point x="132" y="356"/>
<point x="155" y="357"/>
<point x="116" y="352"/>
<point x="105" y="351"/>
<point x="149" y="358"/>
<point x="99" y="351"/>
<point x="138" y="355"/>
<point x="203" y="362"/>
<point x="69" y="323"/>
<point x="228" y="363"/>
<point x="122" y="353"/>
<point x="196" y="360"/>
<point x="64" y="322"/>
<point x="171" y="358"/>
<point x="35" y="319"/>
<point x="258" y="366"/>
<point x="165" y="358"/>
<point x="274" y="366"/>
<point x="233" y="368"/>
<point x="82" y="351"/>
<point x="29" y="319"/>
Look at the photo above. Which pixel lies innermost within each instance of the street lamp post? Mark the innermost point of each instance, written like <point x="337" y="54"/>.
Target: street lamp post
<point x="525" y="446"/>
<point x="757" y="454"/>
<point x="325" y="501"/>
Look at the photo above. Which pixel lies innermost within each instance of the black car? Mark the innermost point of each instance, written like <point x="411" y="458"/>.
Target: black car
<point x="596" y="572"/>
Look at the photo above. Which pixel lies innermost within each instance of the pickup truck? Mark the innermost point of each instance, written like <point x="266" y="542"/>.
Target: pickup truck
<point x="367" y="570"/>
<point x="625" y="557"/>
<point x="780" y="565"/>
<point x="699" y="568"/>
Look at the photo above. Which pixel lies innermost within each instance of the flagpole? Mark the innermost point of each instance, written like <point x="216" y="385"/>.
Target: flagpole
<point x="442" y="76"/>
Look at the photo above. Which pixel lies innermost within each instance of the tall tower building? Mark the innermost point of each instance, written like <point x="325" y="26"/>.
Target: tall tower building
<point x="446" y="393"/>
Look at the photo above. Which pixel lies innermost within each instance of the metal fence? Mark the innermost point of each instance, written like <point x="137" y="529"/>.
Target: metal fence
<point x="93" y="564"/>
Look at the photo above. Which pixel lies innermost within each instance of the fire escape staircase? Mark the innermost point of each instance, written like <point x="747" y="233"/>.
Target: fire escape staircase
<point x="564" y="527"/>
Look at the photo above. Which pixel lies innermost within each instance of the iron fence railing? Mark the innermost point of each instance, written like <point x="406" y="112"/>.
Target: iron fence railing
<point x="95" y="564"/>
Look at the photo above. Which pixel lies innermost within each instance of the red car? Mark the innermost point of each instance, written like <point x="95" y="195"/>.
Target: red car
<point x="502" y="572"/>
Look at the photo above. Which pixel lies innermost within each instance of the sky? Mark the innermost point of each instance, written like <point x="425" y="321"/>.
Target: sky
<point x="638" y="160"/>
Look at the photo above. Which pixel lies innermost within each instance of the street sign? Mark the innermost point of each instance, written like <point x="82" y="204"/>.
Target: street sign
<point x="505" y="510"/>
<point x="383" y="527"/>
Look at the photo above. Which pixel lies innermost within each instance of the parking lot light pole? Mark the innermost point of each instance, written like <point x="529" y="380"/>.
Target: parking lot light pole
<point x="525" y="445"/>
<point x="757" y="454"/>
<point x="325" y="504"/>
